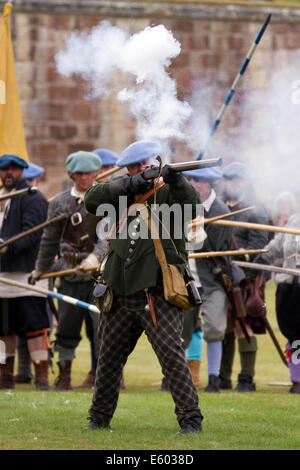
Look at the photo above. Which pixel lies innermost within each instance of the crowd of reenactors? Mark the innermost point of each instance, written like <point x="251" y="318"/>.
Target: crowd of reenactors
<point x="221" y="303"/>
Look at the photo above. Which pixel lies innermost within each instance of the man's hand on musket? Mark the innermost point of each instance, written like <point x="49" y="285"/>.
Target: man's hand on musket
<point x="171" y="176"/>
<point x="35" y="276"/>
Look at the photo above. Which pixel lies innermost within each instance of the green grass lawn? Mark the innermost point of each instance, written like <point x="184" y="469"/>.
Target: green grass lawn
<point x="145" y="419"/>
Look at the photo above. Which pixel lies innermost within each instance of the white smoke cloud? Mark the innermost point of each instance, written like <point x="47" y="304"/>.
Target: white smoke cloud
<point x="260" y="128"/>
<point x="265" y="135"/>
<point x="152" y="99"/>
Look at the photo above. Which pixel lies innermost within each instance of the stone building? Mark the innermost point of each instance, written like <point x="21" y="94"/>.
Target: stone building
<point x="214" y="38"/>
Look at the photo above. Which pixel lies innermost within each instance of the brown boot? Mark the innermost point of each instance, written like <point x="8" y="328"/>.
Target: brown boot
<point x="41" y="375"/>
<point x="7" y="371"/>
<point x="195" y="371"/>
<point x="63" y="381"/>
<point x="89" y="381"/>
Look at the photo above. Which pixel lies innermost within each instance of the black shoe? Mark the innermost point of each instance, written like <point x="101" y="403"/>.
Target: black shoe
<point x="164" y="386"/>
<point x="245" y="383"/>
<point x="295" y="388"/>
<point x="213" y="385"/>
<point x="191" y="426"/>
<point x="225" y="384"/>
<point x="93" y="426"/>
<point x="189" y="429"/>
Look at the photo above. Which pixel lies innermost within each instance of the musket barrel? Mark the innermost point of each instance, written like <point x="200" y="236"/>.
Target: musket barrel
<point x="30" y="190"/>
<point x="248" y="225"/>
<point x="109" y="172"/>
<point x="33" y="230"/>
<point x="195" y="165"/>
<point x="266" y="267"/>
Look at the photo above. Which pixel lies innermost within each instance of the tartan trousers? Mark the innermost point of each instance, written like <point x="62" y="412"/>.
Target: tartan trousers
<point x="119" y="331"/>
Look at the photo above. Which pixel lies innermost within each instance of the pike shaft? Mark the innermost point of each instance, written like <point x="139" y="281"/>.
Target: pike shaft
<point x="234" y="85"/>
<point x="50" y="293"/>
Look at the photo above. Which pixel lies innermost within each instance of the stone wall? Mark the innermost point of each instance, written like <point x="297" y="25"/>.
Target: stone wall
<point x="214" y="38"/>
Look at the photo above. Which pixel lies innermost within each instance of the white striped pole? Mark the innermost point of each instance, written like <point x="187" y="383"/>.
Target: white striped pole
<point x="65" y="298"/>
<point x="234" y="85"/>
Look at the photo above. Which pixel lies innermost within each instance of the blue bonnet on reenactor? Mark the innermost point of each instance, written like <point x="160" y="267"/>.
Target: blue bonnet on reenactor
<point x="108" y="157"/>
<point x="83" y="162"/>
<point x="140" y="151"/>
<point x="10" y="159"/>
<point x="33" y="171"/>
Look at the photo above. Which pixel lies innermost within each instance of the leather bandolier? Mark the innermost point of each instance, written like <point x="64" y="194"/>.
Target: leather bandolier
<point x="79" y="233"/>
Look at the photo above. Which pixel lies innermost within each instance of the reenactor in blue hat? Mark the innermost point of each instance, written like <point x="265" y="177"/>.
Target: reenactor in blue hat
<point x="132" y="287"/>
<point x="75" y="243"/>
<point x="109" y="159"/>
<point x="238" y="194"/>
<point x="33" y="174"/>
<point x="22" y="312"/>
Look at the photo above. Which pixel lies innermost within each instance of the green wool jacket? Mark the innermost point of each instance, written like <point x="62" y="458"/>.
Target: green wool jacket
<point x="132" y="265"/>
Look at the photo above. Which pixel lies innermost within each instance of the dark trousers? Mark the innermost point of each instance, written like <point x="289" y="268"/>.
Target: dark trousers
<point x="71" y="317"/>
<point x="119" y="331"/>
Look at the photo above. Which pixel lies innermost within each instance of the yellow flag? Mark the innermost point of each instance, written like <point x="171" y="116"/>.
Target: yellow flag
<point x="12" y="138"/>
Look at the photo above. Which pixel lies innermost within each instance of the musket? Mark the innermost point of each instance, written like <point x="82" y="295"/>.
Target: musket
<point x="200" y="221"/>
<point x="270" y="268"/>
<point x="253" y="226"/>
<point x="154" y="171"/>
<point x="31" y="190"/>
<point x="211" y="254"/>
<point x="67" y="272"/>
<point x="46" y="292"/>
<point x="33" y="230"/>
<point x="108" y="173"/>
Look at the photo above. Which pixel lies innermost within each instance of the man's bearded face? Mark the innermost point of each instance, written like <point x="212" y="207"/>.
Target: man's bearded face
<point x="10" y="175"/>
